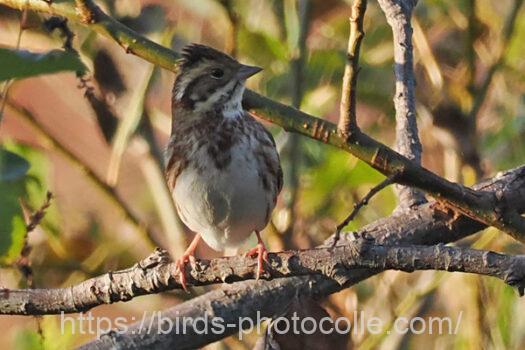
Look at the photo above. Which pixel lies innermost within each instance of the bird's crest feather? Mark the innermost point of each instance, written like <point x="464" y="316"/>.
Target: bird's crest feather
<point x="193" y="53"/>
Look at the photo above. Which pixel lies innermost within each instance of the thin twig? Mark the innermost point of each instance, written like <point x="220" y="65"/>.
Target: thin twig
<point x="347" y="114"/>
<point x="292" y="148"/>
<point x="23" y="262"/>
<point x="364" y="201"/>
<point x="38" y="215"/>
<point x="482" y="90"/>
<point x="469" y="154"/>
<point x="472" y="36"/>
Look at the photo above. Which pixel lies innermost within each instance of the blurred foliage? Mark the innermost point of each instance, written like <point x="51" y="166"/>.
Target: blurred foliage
<point x="28" y="340"/>
<point x="23" y="64"/>
<point x="13" y="169"/>
<point x="23" y="178"/>
<point x="83" y="234"/>
<point x="12" y="166"/>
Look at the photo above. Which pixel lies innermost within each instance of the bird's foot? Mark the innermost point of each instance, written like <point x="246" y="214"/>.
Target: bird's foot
<point x="262" y="256"/>
<point x="180" y="265"/>
<point x="188" y="256"/>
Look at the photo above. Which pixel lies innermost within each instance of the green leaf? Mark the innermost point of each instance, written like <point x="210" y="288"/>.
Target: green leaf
<point x="12" y="228"/>
<point x="34" y="186"/>
<point x="13" y="175"/>
<point x="12" y="166"/>
<point x="27" y="339"/>
<point x="22" y="64"/>
<point x="11" y="245"/>
<point x="23" y="175"/>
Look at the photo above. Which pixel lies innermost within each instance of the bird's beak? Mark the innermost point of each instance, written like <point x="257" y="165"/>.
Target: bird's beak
<point x="247" y="71"/>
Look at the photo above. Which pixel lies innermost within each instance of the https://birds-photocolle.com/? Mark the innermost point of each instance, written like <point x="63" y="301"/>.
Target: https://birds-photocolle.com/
<point x="222" y="166"/>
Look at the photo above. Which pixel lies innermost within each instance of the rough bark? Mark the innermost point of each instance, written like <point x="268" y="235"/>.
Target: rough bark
<point x="252" y="300"/>
<point x="398" y="15"/>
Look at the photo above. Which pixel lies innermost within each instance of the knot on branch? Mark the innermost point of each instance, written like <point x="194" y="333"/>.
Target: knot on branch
<point x="159" y="256"/>
<point x="515" y="276"/>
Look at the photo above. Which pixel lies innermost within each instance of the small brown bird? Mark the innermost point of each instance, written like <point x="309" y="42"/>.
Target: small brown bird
<point x="223" y="168"/>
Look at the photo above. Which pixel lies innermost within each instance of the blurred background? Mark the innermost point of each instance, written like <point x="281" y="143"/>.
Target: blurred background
<point x="96" y="142"/>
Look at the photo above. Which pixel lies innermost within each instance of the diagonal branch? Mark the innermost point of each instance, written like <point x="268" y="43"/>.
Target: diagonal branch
<point x="482" y="90"/>
<point x="347" y="114"/>
<point x="398" y="14"/>
<point x="477" y="205"/>
<point x="480" y="206"/>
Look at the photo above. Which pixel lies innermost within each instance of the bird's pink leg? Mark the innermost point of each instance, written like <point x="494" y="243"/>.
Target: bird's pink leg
<point x="261" y="252"/>
<point x="188" y="256"/>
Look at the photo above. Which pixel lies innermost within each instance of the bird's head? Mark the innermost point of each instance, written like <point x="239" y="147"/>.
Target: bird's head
<point x="210" y="80"/>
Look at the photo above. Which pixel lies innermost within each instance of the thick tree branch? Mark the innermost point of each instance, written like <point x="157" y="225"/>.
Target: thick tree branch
<point x="480" y="206"/>
<point x="398" y="14"/>
<point x="255" y="299"/>
<point x="157" y="273"/>
<point x="347" y="114"/>
<point x="423" y="226"/>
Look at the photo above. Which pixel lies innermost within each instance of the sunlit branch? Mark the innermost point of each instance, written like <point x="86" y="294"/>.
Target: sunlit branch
<point x="422" y="226"/>
<point x="398" y="15"/>
<point x="477" y="205"/>
<point x="157" y="273"/>
<point x="347" y="113"/>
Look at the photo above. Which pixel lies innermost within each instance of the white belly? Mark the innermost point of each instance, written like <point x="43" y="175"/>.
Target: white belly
<point x="225" y="206"/>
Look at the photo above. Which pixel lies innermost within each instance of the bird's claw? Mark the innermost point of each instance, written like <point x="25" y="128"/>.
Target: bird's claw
<point x="180" y="265"/>
<point x="262" y="256"/>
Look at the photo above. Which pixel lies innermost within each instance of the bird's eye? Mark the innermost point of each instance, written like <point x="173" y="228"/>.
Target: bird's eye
<point x="217" y="73"/>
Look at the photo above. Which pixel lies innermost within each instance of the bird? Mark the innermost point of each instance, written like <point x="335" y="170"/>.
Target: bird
<point x="222" y="165"/>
